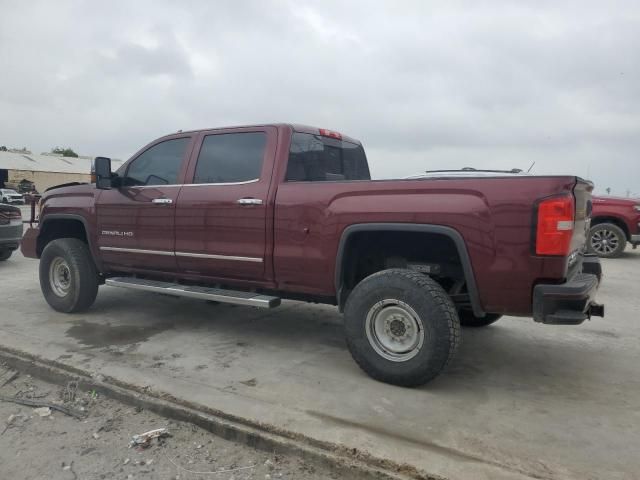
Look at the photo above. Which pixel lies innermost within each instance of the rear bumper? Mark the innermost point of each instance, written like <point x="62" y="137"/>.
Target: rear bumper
<point x="29" y="243"/>
<point x="572" y="302"/>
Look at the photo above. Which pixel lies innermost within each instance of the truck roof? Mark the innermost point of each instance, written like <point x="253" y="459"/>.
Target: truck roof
<point x="293" y="126"/>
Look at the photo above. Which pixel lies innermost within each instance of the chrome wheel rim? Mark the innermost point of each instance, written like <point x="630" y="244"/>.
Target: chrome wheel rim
<point x="394" y="330"/>
<point x="604" y="241"/>
<point x="60" y="277"/>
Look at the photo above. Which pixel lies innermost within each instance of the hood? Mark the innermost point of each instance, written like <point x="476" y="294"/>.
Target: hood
<point x="72" y="188"/>
<point x="70" y="184"/>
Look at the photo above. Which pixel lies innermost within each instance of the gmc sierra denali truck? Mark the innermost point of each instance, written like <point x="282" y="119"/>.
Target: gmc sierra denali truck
<point x="614" y="222"/>
<point x="251" y="215"/>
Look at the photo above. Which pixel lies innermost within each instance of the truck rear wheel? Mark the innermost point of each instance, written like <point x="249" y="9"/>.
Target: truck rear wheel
<point x="401" y="327"/>
<point x="5" y="254"/>
<point x="606" y="240"/>
<point x="468" y="319"/>
<point x="68" y="276"/>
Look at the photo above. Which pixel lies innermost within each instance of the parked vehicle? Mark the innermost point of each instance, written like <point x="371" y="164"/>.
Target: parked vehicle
<point x="614" y="222"/>
<point x="10" y="230"/>
<point x="10" y="196"/>
<point x="251" y="215"/>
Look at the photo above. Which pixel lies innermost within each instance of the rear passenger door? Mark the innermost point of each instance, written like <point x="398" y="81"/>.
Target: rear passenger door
<point x="221" y="216"/>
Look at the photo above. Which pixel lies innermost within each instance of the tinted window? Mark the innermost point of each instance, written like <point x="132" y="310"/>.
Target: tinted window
<point x="158" y="165"/>
<point x="230" y="157"/>
<point x="314" y="158"/>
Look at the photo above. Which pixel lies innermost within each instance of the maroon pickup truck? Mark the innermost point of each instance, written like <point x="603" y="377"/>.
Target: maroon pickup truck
<point x="251" y="215"/>
<point x="614" y="222"/>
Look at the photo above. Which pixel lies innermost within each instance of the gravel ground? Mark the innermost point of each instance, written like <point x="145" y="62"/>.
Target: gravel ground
<point x="59" y="447"/>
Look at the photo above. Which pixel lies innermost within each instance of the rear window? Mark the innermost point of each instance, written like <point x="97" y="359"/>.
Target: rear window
<point x="314" y="158"/>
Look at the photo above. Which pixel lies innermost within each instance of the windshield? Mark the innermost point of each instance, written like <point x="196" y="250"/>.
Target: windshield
<point x="315" y="158"/>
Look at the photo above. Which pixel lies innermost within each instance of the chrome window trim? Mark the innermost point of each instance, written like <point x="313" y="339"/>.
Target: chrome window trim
<point x="255" y="180"/>
<point x="221" y="183"/>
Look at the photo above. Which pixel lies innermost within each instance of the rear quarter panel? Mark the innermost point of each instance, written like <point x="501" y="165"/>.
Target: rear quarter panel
<point x="493" y="215"/>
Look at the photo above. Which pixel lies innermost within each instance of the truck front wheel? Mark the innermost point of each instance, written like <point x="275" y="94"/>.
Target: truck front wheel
<point x="401" y="327"/>
<point x="68" y="276"/>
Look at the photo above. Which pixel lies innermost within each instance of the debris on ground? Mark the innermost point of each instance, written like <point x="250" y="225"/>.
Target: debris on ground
<point x="66" y="449"/>
<point x="252" y="382"/>
<point x="39" y="403"/>
<point x="7" y="375"/>
<point x="68" y="395"/>
<point x="144" y="439"/>
<point x="42" y="411"/>
<point x="12" y="421"/>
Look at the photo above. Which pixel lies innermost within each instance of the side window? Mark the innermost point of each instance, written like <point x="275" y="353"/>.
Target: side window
<point x="315" y="158"/>
<point x="158" y="165"/>
<point x="230" y="157"/>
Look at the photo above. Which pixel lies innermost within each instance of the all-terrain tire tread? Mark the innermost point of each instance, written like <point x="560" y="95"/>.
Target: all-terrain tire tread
<point x="79" y="258"/>
<point x="445" y="304"/>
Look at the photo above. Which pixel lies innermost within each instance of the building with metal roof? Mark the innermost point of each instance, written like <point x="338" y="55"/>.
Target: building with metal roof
<point x="44" y="170"/>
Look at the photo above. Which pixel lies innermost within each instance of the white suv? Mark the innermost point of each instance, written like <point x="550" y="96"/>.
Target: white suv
<point x="11" y="196"/>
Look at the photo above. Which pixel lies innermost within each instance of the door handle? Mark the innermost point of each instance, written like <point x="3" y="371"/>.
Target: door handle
<point x="249" y="201"/>
<point x="162" y="201"/>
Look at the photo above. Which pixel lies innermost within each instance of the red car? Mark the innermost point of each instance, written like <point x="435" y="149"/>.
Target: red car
<point x="614" y="222"/>
<point x="252" y="215"/>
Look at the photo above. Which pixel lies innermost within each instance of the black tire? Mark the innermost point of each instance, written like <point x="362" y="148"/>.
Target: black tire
<point x="79" y="290"/>
<point x="606" y="240"/>
<point x="436" y="314"/>
<point x="468" y="319"/>
<point x="5" y="254"/>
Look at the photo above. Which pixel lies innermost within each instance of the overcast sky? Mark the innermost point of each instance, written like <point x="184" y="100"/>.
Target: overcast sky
<point x="424" y="85"/>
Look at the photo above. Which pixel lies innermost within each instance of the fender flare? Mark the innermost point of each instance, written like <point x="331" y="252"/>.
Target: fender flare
<point x="449" y="232"/>
<point x="85" y="224"/>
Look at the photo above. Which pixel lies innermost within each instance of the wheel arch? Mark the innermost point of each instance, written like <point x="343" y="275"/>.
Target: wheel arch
<point x="617" y="221"/>
<point x="453" y="235"/>
<point x="62" y="225"/>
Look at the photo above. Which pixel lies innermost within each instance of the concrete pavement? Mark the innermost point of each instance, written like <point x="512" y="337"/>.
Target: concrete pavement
<point x="521" y="400"/>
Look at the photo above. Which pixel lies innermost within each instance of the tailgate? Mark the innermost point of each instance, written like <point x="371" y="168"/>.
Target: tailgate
<point x="582" y="193"/>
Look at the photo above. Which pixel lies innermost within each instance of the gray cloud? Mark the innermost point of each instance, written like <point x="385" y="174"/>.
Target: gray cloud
<point x="422" y="84"/>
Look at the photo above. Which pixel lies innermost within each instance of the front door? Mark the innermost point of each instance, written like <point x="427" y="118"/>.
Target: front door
<point x="221" y="217"/>
<point x="136" y="220"/>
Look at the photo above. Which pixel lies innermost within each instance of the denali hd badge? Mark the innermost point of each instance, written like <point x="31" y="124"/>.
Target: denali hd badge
<point x="116" y="233"/>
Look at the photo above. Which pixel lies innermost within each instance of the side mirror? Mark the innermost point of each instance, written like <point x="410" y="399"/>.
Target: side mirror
<point x="102" y="169"/>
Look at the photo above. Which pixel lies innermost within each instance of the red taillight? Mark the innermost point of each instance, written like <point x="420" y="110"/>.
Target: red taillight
<point x="555" y="225"/>
<point x="330" y="133"/>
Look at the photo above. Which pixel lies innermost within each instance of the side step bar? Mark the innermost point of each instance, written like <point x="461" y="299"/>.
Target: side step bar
<point x="203" y="293"/>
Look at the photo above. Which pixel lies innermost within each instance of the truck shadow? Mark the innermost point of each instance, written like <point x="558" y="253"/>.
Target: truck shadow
<point x="513" y="354"/>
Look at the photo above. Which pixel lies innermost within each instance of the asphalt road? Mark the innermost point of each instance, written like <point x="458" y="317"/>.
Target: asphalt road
<point x="521" y="400"/>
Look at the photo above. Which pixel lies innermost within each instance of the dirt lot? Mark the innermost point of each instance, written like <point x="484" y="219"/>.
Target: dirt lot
<point x="59" y="447"/>
<point x="520" y="401"/>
